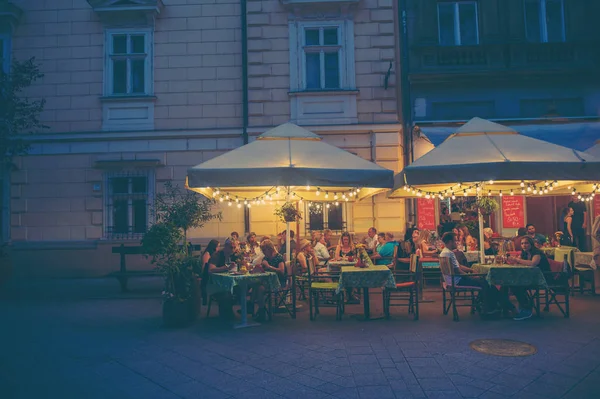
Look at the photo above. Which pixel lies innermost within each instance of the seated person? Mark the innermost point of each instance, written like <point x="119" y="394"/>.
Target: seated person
<point x="321" y="251"/>
<point x="218" y="264"/>
<point x="489" y="294"/>
<point x="305" y="252"/>
<point x="522" y="232"/>
<point x="385" y="249"/>
<point x="272" y="262"/>
<point x="538" y="238"/>
<point x="345" y="247"/>
<point x="424" y="248"/>
<point x="371" y="240"/>
<point x="488" y="245"/>
<point x="531" y="256"/>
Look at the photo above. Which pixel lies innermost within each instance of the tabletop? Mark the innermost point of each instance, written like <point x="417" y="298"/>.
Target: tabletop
<point x="340" y="263"/>
<point x="509" y="275"/>
<point x="369" y="277"/>
<point x="472" y="256"/>
<point x="228" y="281"/>
<point x="585" y="259"/>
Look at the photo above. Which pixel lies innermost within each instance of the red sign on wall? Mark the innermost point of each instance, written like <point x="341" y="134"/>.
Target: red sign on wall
<point x="596" y="206"/>
<point x="425" y="214"/>
<point x="513" y="212"/>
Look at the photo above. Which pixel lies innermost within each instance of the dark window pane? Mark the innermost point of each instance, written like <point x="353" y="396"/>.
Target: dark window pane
<point x="335" y="217"/>
<point x="140" y="215"/>
<point x="120" y="185"/>
<point x="120" y="222"/>
<point x="119" y="76"/>
<point x="468" y="24"/>
<point x="332" y="71"/>
<point x="554" y="20"/>
<point x="330" y="36"/>
<point x="119" y="44"/>
<point x="137" y="76"/>
<point x="446" y="24"/>
<point x="313" y="71"/>
<point x="316" y="219"/>
<point x="137" y="44"/>
<point x="138" y="184"/>
<point x="532" y="20"/>
<point x="311" y="37"/>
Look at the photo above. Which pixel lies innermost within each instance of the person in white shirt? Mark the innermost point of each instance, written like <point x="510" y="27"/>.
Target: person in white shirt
<point x="256" y="255"/>
<point x="321" y="251"/>
<point x="461" y="275"/>
<point x="371" y="240"/>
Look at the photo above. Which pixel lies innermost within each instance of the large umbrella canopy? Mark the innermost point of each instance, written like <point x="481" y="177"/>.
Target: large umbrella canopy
<point x="482" y="150"/>
<point x="288" y="156"/>
<point x="594" y="150"/>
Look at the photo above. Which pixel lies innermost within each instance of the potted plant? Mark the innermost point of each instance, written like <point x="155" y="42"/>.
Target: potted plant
<point x="176" y="212"/>
<point x="487" y="205"/>
<point x="288" y="213"/>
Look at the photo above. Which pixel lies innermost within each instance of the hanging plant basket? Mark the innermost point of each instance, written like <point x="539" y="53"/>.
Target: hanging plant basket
<point x="288" y="213"/>
<point x="487" y="205"/>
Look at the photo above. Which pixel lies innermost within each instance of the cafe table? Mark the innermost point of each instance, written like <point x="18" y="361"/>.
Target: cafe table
<point x="337" y="264"/>
<point x="512" y="276"/>
<point x="375" y="276"/>
<point x="226" y="282"/>
<point x="585" y="259"/>
<point x="472" y="256"/>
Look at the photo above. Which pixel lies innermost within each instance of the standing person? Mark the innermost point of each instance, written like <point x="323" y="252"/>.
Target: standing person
<point x="596" y="234"/>
<point x="567" y="238"/>
<point x="283" y="248"/>
<point x="579" y="222"/>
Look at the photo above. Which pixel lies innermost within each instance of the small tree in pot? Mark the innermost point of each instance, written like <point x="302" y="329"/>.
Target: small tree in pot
<point x="177" y="211"/>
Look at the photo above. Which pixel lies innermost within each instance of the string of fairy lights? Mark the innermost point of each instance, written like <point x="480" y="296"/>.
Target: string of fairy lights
<point x="329" y="198"/>
<point x="478" y="189"/>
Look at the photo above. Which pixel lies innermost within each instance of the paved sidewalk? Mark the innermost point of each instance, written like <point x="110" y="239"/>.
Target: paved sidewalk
<point x="82" y="339"/>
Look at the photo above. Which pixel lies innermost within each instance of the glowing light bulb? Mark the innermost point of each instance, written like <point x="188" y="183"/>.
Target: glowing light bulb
<point x="327" y="206"/>
<point x="239" y="205"/>
<point x="336" y="203"/>
<point x="335" y="196"/>
<point x="221" y="199"/>
<point x="522" y="183"/>
<point x="307" y="188"/>
<point x="491" y="182"/>
<point x="229" y="203"/>
<point x="326" y="194"/>
<point x="501" y="193"/>
<point x="318" y="191"/>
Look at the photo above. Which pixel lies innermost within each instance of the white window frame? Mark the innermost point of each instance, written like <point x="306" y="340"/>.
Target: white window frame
<point x="543" y="22"/>
<point x="148" y="65"/>
<point x="457" y="38"/>
<point x="298" y="55"/>
<point x="6" y="52"/>
<point x="108" y="203"/>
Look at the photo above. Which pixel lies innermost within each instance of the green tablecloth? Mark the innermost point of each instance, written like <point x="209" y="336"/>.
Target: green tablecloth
<point x="340" y="263"/>
<point x="508" y="275"/>
<point x="369" y="277"/>
<point x="220" y="282"/>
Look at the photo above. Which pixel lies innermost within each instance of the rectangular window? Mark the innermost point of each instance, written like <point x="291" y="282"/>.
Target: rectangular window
<point x="545" y="21"/>
<point x="4" y="53"/>
<point x="129" y="200"/>
<point x="553" y="107"/>
<point x="129" y="61"/>
<point x="326" y="216"/>
<point x="321" y="47"/>
<point x="457" y="23"/>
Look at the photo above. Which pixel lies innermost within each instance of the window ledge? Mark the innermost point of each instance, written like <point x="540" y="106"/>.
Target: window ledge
<point x="128" y="163"/>
<point x="317" y="2"/>
<point x="336" y="92"/>
<point x="137" y="98"/>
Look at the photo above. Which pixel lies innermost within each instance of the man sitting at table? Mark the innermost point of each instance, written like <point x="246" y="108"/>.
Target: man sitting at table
<point x="537" y="237"/>
<point x="531" y="256"/>
<point x="489" y="294"/>
<point x="385" y="249"/>
<point x="370" y="240"/>
<point x="283" y="249"/>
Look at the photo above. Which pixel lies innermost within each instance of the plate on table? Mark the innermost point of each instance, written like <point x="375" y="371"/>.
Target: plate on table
<point x="237" y="273"/>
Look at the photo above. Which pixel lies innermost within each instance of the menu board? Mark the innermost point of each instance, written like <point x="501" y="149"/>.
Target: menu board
<point x="596" y="206"/>
<point x="513" y="211"/>
<point x="426" y="213"/>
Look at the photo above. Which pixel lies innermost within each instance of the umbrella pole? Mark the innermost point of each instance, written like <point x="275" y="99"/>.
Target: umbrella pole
<point x="481" y="235"/>
<point x="288" y="244"/>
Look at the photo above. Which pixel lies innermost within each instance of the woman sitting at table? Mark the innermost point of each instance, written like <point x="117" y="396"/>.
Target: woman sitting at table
<point x="345" y="247"/>
<point x="531" y="256"/>
<point x="467" y="239"/>
<point x="305" y="252"/>
<point x="424" y="248"/>
<point x="218" y="264"/>
<point x="411" y="242"/>
<point x="212" y="247"/>
<point x="488" y="245"/>
<point x="272" y="262"/>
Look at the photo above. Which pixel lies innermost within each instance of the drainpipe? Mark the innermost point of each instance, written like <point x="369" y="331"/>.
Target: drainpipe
<point x="373" y="157"/>
<point x="405" y="96"/>
<point x="244" y="23"/>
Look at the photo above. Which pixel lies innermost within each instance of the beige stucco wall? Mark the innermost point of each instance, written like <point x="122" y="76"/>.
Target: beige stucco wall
<point x="56" y="215"/>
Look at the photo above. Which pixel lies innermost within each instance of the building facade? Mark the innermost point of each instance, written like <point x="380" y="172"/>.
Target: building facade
<point x="138" y="91"/>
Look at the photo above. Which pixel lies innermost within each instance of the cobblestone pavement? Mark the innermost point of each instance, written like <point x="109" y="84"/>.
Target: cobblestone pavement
<point x="82" y="339"/>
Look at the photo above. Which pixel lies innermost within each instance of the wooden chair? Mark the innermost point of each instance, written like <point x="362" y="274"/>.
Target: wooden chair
<point x="558" y="286"/>
<point x="284" y="297"/>
<point x="471" y="299"/>
<point x="323" y="291"/>
<point x="406" y="292"/>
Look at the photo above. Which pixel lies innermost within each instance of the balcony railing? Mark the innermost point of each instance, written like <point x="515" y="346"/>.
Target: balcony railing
<point x="504" y="57"/>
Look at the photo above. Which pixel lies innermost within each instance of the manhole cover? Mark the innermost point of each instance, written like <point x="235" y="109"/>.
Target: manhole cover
<point x="503" y="347"/>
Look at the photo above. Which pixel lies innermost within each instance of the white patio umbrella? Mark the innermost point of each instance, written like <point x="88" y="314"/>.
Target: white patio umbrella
<point x="594" y="150"/>
<point x="480" y="152"/>
<point x="294" y="159"/>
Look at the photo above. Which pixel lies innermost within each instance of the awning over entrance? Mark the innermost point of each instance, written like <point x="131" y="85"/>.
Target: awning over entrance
<point x="578" y="136"/>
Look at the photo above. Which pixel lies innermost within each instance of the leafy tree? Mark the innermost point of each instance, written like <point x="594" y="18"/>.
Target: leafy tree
<point x="19" y="114"/>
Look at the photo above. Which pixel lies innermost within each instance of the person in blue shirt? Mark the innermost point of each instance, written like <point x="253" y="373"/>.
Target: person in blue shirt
<point x="538" y="238"/>
<point x="385" y="249"/>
